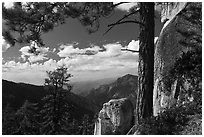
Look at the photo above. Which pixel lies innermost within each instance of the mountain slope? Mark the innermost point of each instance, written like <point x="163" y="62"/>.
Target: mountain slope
<point x="15" y="94"/>
<point x="122" y="87"/>
<point x="83" y="87"/>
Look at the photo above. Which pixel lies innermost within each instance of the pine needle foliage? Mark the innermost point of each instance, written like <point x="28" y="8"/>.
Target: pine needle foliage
<point x="55" y="111"/>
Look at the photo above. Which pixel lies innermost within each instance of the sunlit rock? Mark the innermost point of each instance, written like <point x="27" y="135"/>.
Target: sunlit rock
<point x="183" y="20"/>
<point x="116" y="117"/>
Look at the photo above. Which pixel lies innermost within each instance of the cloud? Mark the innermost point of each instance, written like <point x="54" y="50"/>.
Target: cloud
<point x="133" y="45"/>
<point x="8" y="4"/>
<point x="90" y="63"/>
<point x="23" y="72"/>
<point x="34" y="73"/>
<point x="17" y="67"/>
<point x="5" y="45"/>
<point x="126" y="6"/>
<point x="69" y="50"/>
<point x="105" y="62"/>
<point x="36" y="58"/>
<point x="26" y="54"/>
<point x="107" y="57"/>
<point x="111" y="50"/>
<point x="51" y="64"/>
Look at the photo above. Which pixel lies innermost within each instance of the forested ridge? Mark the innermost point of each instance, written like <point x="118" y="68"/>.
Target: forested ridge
<point x="20" y="97"/>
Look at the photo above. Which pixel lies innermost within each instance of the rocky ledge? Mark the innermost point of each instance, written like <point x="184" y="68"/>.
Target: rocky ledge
<point x="116" y="117"/>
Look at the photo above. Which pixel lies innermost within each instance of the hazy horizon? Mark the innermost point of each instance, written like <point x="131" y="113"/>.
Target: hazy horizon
<point x="71" y="81"/>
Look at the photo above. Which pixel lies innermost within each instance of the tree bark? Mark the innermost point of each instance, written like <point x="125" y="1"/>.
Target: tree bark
<point x="144" y="105"/>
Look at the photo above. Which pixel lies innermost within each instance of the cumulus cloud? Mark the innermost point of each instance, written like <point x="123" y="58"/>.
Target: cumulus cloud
<point x="106" y="61"/>
<point x="11" y="4"/>
<point x="126" y="6"/>
<point x="36" y="58"/>
<point x="26" y="54"/>
<point x="15" y="66"/>
<point x="70" y="50"/>
<point x="50" y="64"/>
<point x="34" y="73"/>
<point x="89" y="63"/>
<point x="23" y="72"/>
<point x="107" y="57"/>
<point x="8" y="4"/>
<point x="111" y="50"/>
<point x="133" y="45"/>
<point x="5" y="45"/>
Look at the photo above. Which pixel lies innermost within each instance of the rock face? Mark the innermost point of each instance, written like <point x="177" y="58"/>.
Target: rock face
<point x="170" y="10"/>
<point x="183" y="25"/>
<point x="116" y="117"/>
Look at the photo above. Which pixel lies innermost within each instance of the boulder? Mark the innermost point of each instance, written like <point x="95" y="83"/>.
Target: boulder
<point x="182" y="26"/>
<point x="116" y="117"/>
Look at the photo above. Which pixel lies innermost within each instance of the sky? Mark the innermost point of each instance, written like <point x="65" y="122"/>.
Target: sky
<point x="88" y="57"/>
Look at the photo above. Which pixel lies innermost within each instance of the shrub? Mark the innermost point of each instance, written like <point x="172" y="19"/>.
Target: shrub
<point x="173" y="121"/>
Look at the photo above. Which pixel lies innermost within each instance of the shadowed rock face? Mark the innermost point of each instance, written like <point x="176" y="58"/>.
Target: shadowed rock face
<point x="182" y="27"/>
<point x="116" y="117"/>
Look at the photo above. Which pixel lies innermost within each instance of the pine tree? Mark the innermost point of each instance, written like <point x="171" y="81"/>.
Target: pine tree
<point x="144" y="105"/>
<point x="87" y="125"/>
<point x="85" y="122"/>
<point x="26" y="22"/>
<point x="73" y="128"/>
<point x="27" y="117"/>
<point x="9" y="123"/>
<point x="55" y="110"/>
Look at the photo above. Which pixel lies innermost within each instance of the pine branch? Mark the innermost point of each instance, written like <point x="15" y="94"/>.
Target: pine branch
<point x="124" y="17"/>
<point x="128" y="21"/>
<point x="130" y="50"/>
<point x="117" y="4"/>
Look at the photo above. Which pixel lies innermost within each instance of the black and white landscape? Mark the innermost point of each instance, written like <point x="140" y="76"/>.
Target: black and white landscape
<point x="102" y="68"/>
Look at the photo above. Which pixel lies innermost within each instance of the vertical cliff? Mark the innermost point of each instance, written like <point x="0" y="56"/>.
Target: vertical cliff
<point x="180" y="32"/>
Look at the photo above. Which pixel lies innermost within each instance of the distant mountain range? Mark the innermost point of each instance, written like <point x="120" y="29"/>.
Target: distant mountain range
<point x="123" y="87"/>
<point x="83" y="87"/>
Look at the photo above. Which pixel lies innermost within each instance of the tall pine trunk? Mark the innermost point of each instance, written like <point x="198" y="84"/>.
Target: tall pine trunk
<point x="144" y="106"/>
